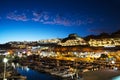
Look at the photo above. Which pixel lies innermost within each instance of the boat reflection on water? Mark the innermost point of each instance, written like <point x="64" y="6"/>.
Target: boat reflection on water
<point x="32" y="74"/>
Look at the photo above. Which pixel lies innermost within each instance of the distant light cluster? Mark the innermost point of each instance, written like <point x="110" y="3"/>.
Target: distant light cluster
<point x="49" y="41"/>
<point x="73" y="42"/>
<point x="107" y="42"/>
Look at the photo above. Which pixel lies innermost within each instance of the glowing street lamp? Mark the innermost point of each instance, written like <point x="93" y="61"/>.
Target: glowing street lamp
<point x="5" y="60"/>
<point x="113" y="62"/>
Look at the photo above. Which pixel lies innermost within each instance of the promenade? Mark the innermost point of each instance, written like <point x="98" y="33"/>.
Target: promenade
<point x="106" y="74"/>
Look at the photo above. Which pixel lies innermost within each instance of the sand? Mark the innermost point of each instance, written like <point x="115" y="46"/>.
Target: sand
<point x="101" y="75"/>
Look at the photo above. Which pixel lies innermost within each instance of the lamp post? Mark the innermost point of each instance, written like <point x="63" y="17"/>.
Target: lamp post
<point x="5" y="60"/>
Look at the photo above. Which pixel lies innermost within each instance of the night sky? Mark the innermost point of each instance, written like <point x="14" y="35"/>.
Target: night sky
<point x="29" y="20"/>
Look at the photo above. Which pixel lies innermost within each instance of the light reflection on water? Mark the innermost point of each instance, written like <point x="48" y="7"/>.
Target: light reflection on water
<point x="32" y="74"/>
<point x="116" y="78"/>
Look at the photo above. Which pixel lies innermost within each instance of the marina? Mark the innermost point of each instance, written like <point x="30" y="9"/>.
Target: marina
<point x="34" y="75"/>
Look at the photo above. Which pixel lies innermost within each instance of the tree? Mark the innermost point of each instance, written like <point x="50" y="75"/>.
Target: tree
<point x="104" y="56"/>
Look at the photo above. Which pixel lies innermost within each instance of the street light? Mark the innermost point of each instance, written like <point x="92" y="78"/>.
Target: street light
<point x="113" y="62"/>
<point x="5" y="60"/>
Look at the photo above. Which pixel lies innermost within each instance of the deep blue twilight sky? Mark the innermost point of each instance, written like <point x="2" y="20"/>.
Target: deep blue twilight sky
<point x="29" y="20"/>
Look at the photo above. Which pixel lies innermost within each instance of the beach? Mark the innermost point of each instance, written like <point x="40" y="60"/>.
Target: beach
<point x="101" y="74"/>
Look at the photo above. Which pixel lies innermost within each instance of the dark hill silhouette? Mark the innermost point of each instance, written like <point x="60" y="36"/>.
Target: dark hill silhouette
<point x="103" y="35"/>
<point x="70" y="36"/>
<point x="116" y="34"/>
